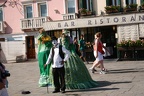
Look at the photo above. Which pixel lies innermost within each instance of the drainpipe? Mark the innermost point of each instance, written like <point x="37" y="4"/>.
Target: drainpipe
<point x="76" y="6"/>
<point x="138" y="2"/>
<point x="0" y="47"/>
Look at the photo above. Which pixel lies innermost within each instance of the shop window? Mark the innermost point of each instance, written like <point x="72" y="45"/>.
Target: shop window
<point x="112" y="2"/>
<point x="1" y="14"/>
<point x="42" y="7"/>
<point x="28" y="11"/>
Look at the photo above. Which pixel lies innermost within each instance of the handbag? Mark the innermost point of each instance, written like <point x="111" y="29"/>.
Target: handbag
<point x="102" y="52"/>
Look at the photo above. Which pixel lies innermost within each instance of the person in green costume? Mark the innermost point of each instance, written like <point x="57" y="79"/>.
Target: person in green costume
<point x="44" y="46"/>
<point x="77" y="76"/>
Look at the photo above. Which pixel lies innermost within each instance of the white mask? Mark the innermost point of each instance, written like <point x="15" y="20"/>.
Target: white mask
<point x="54" y="42"/>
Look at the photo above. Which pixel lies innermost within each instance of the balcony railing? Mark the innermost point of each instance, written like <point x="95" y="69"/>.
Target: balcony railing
<point x="69" y="16"/>
<point x="1" y="27"/>
<point x="30" y="23"/>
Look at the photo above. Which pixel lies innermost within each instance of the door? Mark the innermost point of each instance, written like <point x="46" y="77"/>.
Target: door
<point x="30" y="47"/>
<point x="109" y="39"/>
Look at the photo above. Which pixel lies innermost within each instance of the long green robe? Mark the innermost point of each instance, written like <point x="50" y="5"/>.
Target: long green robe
<point x="43" y="53"/>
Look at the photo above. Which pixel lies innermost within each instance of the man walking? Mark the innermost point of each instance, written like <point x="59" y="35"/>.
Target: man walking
<point x="82" y="49"/>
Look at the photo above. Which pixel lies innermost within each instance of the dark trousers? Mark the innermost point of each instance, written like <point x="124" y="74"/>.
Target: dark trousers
<point x="59" y="78"/>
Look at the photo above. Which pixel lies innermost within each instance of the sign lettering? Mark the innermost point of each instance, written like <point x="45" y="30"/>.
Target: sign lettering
<point x="97" y="21"/>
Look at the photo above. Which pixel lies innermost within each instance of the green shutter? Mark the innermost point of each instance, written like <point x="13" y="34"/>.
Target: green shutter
<point x="80" y="4"/>
<point x="119" y="2"/>
<point x="107" y="2"/>
<point x="1" y="14"/>
<point x="142" y="1"/>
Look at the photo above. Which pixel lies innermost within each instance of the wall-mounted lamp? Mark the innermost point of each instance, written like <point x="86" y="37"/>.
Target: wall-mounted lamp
<point x="114" y="28"/>
<point x="56" y="10"/>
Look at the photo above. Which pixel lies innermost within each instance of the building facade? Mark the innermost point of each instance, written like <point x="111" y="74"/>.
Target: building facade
<point x="20" y="21"/>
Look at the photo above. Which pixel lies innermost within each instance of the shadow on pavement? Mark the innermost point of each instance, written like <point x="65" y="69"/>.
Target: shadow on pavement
<point x="92" y="89"/>
<point x="126" y="70"/>
<point x="98" y="88"/>
<point x="106" y="83"/>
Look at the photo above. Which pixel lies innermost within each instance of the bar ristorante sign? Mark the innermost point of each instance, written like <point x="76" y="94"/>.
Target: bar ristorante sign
<point x="96" y="21"/>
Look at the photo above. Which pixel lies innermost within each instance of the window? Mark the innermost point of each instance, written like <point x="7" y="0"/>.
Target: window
<point x="112" y="2"/>
<point x="70" y="6"/>
<point x="42" y="9"/>
<point x="1" y="14"/>
<point x="142" y="1"/>
<point x="87" y="4"/>
<point x="130" y="2"/>
<point x="28" y="11"/>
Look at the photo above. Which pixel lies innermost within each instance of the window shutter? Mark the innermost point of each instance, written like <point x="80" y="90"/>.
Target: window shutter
<point x="128" y="32"/>
<point x="107" y="2"/>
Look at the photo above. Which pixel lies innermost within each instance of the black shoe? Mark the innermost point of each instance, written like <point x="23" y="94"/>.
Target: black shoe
<point x="56" y="91"/>
<point x="25" y="92"/>
<point x="62" y="91"/>
<point x="94" y="70"/>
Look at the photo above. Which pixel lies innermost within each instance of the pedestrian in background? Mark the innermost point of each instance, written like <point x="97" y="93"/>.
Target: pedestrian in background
<point x="3" y="90"/>
<point x="76" y="46"/>
<point x="82" y="45"/>
<point x="98" y="53"/>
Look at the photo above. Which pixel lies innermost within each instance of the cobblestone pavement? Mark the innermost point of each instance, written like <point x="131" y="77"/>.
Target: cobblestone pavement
<point x="124" y="78"/>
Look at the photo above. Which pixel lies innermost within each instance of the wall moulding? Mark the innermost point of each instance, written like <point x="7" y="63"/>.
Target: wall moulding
<point x="31" y="1"/>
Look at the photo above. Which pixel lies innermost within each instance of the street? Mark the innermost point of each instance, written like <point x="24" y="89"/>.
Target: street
<point x="124" y="78"/>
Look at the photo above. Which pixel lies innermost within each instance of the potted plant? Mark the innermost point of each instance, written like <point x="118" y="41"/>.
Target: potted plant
<point x="83" y="11"/>
<point x="108" y="9"/>
<point x="112" y="9"/>
<point x="142" y="6"/>
<point x="131" y="43"/>
<point x="130" y="49"/>
<point x="89" y="12"/>
<point x="131" y="7"/>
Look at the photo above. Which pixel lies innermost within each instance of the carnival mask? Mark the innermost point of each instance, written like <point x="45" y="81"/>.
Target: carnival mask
<point x="54" y="42"/>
